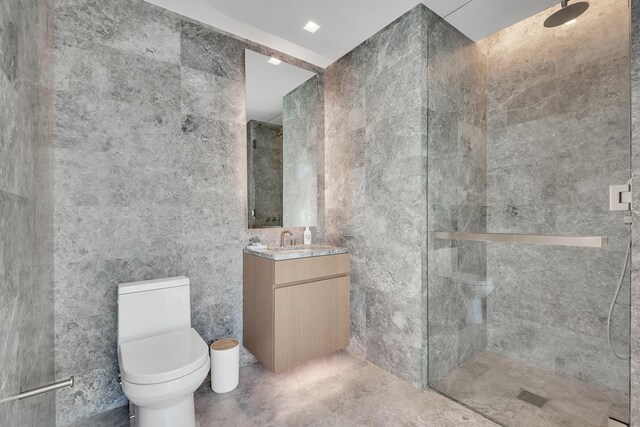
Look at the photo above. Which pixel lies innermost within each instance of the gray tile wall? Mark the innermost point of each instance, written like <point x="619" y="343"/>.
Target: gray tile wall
<point x="376" y="189"/>
<point x="26" y="210"/>
<point x="457" y="192"/>
<point x="150" y="178"/>
<point x="401" y="93"/>
<point x="558" y="136"/>
<point x="303" y="152"/>
<point x="635" y="260"/>
<point x="112" y="179"/>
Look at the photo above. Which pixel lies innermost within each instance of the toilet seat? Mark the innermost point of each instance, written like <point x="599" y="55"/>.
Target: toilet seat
<point x="162" y="358"/>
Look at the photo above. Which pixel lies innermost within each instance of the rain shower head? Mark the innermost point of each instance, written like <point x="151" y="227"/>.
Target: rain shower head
<point x="567" y="14"/>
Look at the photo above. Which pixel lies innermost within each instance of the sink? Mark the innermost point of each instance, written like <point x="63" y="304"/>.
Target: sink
<point x="291" y="252"/>
<point x="298" y="248"/>
<point x="284" y="249"/>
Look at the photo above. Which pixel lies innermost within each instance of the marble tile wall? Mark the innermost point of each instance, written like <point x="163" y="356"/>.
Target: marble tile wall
<point x="26" y="210"/>
<point x="143" y="179"/>
<point x="389" y="102"/>
<point x="303" y="152"/>
<point x="457" y="192"/>
<point x="264" y="174"/>
<point x="558" y="136"/>
<point x="150" y="179"/>
<point x="635" y="259"/>
<point x="376" y="189"/>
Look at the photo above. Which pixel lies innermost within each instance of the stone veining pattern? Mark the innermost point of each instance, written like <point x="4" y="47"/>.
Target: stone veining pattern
<point x="492" y="382"/>
<point x="150" y="179"/>
<point x="294" y="252"/>
<point x="635" y="259"/>
<point x="400" y="96"/>
<point x="337" y="390"/>
<point x="376" y="189"/>
<point x="385" y="104"/>
<point x="457" y="191"/>
<point x="26" y="210"/>
<point x="150" y="156"/>
<point x="558" y="136"/>
<point x="303" y="152"/>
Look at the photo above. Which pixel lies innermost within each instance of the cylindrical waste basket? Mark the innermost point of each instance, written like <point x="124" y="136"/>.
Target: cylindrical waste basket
<point x="225" y="365"/>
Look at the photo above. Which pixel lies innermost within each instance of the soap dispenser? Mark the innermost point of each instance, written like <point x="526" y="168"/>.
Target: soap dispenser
<point x="307" y="236"/>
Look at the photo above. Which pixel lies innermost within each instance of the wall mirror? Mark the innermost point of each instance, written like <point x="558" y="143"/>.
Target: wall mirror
<point x="284" y="116"/>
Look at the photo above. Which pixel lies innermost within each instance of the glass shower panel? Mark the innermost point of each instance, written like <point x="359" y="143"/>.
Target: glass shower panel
<point x="524" y="138"/>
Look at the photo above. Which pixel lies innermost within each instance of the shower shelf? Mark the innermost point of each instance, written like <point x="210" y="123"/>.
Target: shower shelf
<point x="530" y="239"/>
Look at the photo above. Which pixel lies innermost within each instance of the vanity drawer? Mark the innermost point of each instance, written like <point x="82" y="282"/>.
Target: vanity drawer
<point x="295" y="309"/>
<point x="311" y="269"/>
<point x="310" y="320"/>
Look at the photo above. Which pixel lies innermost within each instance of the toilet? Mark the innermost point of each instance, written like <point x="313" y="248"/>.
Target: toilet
<point x="162" y="358"/>
<point x="475" y="288"/>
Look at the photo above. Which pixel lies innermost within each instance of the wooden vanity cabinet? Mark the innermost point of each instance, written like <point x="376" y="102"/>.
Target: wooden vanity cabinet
<point x="295" y="310"/>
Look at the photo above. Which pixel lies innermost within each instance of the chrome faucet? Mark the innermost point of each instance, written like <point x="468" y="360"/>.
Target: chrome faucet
<point x="282" y="236"/>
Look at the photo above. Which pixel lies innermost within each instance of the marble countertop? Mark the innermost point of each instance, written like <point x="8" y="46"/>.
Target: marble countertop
<point x="278" y="253"/>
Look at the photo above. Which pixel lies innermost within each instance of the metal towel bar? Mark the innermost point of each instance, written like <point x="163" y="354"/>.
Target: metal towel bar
<point x="39" y="390"/>
<point x="531" y="239"/>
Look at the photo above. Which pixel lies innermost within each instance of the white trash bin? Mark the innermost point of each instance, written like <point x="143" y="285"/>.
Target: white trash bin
<point x="225" y="365"/>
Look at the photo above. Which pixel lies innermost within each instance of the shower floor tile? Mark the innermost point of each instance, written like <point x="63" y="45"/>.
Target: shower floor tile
<point x="490" y="383"/>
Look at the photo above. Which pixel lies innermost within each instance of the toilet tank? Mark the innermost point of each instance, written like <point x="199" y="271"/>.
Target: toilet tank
<point x="153" y="307"/>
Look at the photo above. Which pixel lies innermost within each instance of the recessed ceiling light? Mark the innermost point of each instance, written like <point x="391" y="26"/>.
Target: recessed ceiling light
<point x="274" y="61"/>
<point x="311" y="26"/>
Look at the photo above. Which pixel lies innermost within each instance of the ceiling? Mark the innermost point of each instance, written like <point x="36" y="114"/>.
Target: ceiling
<point x="344" y="24"/>
<point x="267" y="84"/>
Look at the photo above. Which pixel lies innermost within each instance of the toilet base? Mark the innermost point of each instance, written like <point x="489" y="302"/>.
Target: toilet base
<point x="474" y="312"/>
<point x="180" y="414"/>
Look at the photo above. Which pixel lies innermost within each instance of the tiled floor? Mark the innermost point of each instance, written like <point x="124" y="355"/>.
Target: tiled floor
<point x="491" y="382"/>
<point x="339" y="390"/>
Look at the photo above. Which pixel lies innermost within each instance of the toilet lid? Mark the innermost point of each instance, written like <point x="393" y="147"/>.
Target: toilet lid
<point x="162" y="358"/>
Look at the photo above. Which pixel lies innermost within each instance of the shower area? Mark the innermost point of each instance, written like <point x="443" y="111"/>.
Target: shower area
<point x="524" y="255"/>
<point x="264" y="161"/>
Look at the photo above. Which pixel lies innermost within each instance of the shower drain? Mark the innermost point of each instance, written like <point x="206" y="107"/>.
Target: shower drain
<point x="532" y="398"/>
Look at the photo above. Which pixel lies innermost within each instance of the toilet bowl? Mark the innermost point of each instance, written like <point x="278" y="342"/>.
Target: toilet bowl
<point x="160" y="375"/>
<point x="162" y="359"/>
<point x="474" y="288"/>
